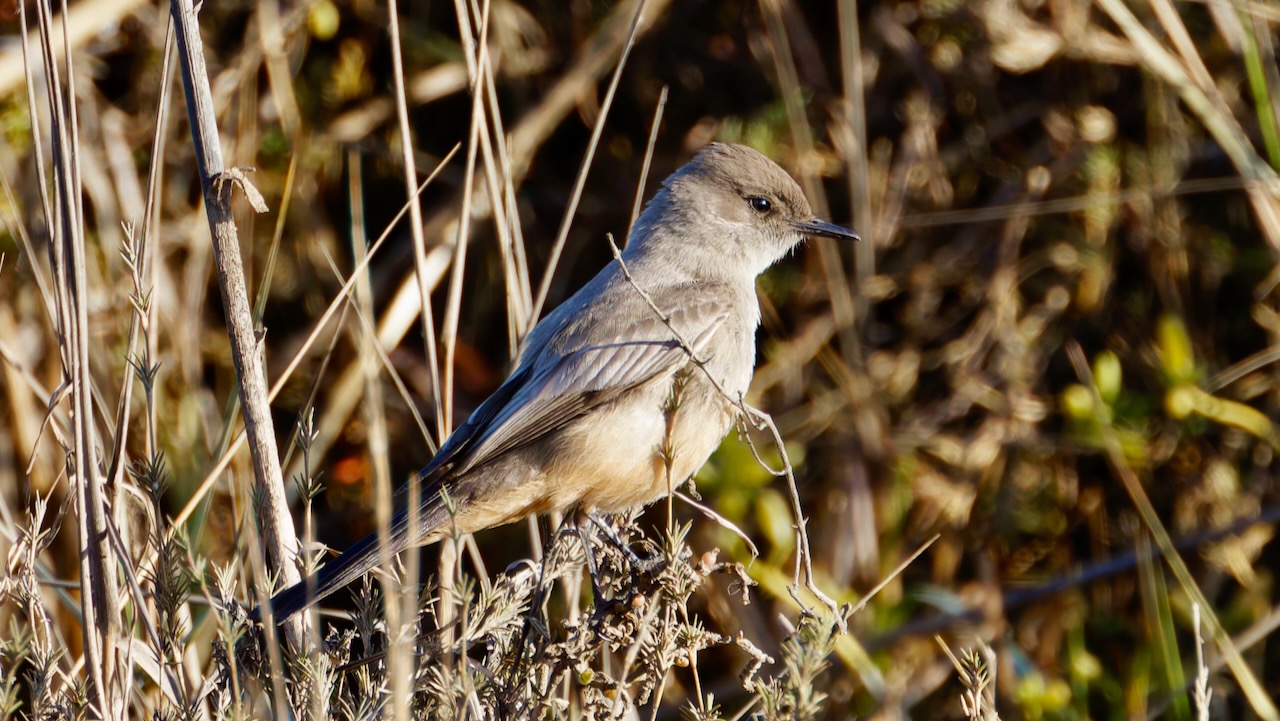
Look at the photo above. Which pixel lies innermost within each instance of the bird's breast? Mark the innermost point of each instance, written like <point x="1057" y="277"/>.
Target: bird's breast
<point x="649" y="442"/>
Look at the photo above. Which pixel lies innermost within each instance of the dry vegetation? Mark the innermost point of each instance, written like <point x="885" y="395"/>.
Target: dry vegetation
<point x="1055" y="352"/>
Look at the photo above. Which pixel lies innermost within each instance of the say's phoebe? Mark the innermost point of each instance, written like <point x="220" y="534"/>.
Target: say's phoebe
<point x="603" y="387"/>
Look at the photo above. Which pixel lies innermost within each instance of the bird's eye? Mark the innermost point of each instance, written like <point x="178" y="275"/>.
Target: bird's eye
<point x="760" y="205"/>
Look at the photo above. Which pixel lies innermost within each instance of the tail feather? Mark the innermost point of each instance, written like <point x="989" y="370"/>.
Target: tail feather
<point x="352" y="564"/>
<point x="356" y="561"/>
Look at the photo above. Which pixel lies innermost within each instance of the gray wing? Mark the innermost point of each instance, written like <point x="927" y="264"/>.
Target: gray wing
<point x="566" y="380"/>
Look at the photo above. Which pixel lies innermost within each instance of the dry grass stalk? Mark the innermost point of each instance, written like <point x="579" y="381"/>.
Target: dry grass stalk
<point x="108" y="663"/>
<point x="217" y="183"/>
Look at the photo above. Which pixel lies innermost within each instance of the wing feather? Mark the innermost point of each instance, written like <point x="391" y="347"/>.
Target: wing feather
<point x="553" y="388"/>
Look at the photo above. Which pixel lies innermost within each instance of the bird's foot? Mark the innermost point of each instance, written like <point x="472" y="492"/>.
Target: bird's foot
<point x="646" y="566"/>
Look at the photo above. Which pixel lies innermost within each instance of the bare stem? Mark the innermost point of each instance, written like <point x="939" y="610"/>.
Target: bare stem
<point x="216" y="182"/>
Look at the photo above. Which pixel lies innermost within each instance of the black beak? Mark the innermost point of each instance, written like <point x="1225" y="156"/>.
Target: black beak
<point x="821" y="228"/>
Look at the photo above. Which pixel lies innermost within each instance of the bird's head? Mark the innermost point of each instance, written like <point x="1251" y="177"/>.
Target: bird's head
<point x="732" y="204"/>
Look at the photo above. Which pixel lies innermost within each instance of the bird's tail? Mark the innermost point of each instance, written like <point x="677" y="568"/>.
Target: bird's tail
<point x="358" y="560"/>
<point x="352" y="564"/>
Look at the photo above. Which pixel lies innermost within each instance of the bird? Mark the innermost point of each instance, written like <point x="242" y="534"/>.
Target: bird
<point x="626" y="388"/>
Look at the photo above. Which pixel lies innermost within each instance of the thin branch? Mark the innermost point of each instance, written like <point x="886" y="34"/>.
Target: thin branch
<point x="453" y="308"/>
<point x="648" y="159"/>
<point x="217" y="183"/>
<point x="100" y="602"/>
<point x="415" y="214"/>
<point x="725" y="523"/>
<point x="558" y="247"/>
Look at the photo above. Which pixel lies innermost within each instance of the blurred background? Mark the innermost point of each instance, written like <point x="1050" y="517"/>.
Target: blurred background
<point x="1062" y="312"/>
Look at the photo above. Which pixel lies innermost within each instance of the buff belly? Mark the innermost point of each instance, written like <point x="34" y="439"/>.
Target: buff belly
<point x="609" y="460"/>
<point x="623" y="461"/>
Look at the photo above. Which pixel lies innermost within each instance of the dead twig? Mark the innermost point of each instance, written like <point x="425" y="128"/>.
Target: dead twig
<point x="216" y="180"/>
